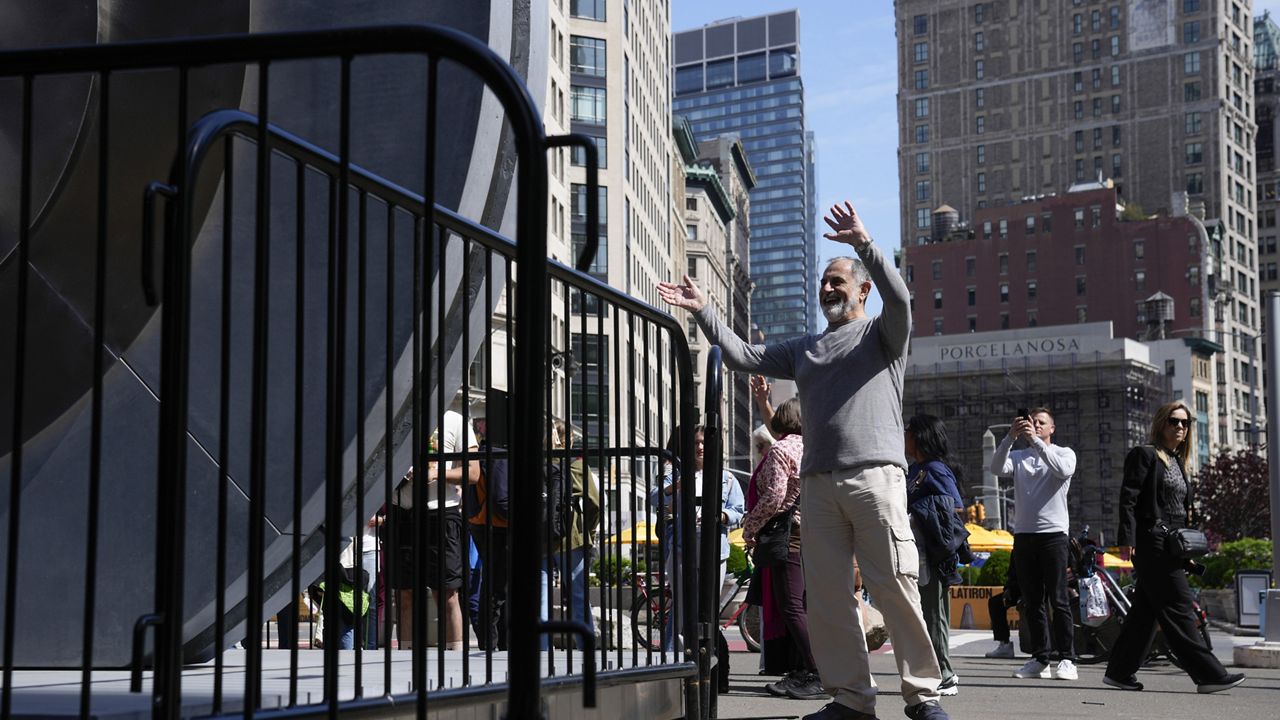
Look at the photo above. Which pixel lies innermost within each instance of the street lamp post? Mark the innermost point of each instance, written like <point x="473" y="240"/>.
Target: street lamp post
<point x="1273" y="461"/>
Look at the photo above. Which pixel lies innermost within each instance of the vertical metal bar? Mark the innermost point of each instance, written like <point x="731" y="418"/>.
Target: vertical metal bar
<point x="618" y="442"/>
<point x="299" y="419"/>
<point x="388" y="479"/>
<point x="422" y="263"/>
<point x="464" y="592"/>
<point x="95" y="440"/>
<point x="337" y="398"/>
<point x="171" y="476"/>
<point x="647" y="441"/>
<point x="631" y="442"/>
<point x="1272" y="320"/>
<point x="19" y="373"/>
<point x="608" y="596"/>
<point x="438" y="593"/>
<point x="258" y="403"/>
<point x="224" y="426"/>
<point x="359" y="631"/>
<point x="566" y="461"/>
<point x="548" y="510"/>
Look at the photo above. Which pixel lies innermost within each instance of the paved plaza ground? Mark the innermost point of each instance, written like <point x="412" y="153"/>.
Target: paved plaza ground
<point x="987" y="690"/>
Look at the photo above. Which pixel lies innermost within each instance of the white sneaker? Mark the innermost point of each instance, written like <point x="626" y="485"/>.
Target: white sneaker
<point x="1003" y="650"/>
<point x="1033" y="669"/>
<point x="950" y="686"/>
<point x="1066" y="670"/>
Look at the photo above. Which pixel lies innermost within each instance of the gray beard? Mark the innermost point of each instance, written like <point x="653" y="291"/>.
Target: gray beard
<point x="838" y="311"/>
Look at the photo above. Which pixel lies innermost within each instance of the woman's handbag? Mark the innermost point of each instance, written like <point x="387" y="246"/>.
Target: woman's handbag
<point x="1183" y="543"/>
<point x="773" y="540"/>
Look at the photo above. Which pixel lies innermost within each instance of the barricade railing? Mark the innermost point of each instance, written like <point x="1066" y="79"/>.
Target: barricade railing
<point x="302" y="297"/>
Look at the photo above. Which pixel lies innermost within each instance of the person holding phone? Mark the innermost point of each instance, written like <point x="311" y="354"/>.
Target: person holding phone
<point x="1041" y="478"/>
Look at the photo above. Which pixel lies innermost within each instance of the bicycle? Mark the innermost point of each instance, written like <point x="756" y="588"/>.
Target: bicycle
<point x="649" y="612"/>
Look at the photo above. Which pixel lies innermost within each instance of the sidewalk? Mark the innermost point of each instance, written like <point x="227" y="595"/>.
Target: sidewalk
<point x="988" y="690"/>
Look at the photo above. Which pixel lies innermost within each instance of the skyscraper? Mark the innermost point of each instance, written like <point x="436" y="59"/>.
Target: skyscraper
<point x="742" y="77"/>
<point x="1000" y="101"/>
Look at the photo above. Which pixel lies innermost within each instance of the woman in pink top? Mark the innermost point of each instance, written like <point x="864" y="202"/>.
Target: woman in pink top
<point x="776" y="489"/>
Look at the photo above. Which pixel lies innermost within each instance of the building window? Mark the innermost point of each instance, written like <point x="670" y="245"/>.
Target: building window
<point x="986" y="229"/>
<point x="1004" y="321"/>
<point x="1190" y="6"/>
<point x="922" y="190"/>
<point x="1096" y="76"/>
<point x="689" y="79"/>
<point x="588" y="104"/>
<point x="1193" y="124"/>
<point x="980" y="98"/>
<point x="1115" y="136"/>
<point x="1194" y="153"/>
<point x="1195" y="183"/>
<point x="1095" y="48"/>
<point x="972" y="296"/>
<point x="1031" y="289"/>
<point x="979" y="69"/>
<point x="1115" y="44"/>
<point x="1139" y="249"/>
<point x="1096" y="212"/>
<point x="920" y="52"/>
<point x="937" y="269"/>
<point x="1077" y="24"/>
<point x="937" y="326"/>
<point x="1116" y="169"/>
<point x="1031" y="254"/>
<point x="1191" y="92"/>
<point x="1004" y="263"/>
<point x="1191" y="63"/>
<point x="1077" y="110"/>
<point x="1115" y="104"/>
<point x="1080" y="284"/>
<point x="922" y="79"/>
<point x="922" y="163"/>
<point x="922" y="107"/>
<point x="752" y="68"/>
<point x="1004" y="228"/>
<point x="587" y="9"/>
<point x="1115" y="76"/>
<point x="979" y="13"/>
<point x="1004" y="292"/>
<point x="1115" y="18"/>
<point x="1095" y="21"/>
<point x="1078" y="214"/>
<point x="923" y="221"/>
<point x="1031" y="230"/>
<point x="1082" y="314"/>
<point x="782" y="63"/>
<point x="1140" y="280"/>
<point x="1077" y="52"/>
<point x="1079" y="141"/>
<point x="720" y="73"/>
<point x="937" y="299"/>
<point x="982" y="182"/>
<point x="979" y="42"/>
<point x="980" y="125"/>
<point x="691" y="234"/>
<point x="920" y="24"/>
<point x="579" y="197"/>
<point x="1033" y="318"/>
<point x="970" y="267"/>
<point x="578" y="156"/>
<point x="1191" y="32"/>
<point x="1097" y="107"/>
<point x="587" y="56"/>
<point x="922" y="134"/>
<point x="973" y="324"/>
<point x="1046" y="223"/>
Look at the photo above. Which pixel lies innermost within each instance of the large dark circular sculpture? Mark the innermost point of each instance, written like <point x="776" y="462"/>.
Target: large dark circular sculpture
<point x="473" y="177"/>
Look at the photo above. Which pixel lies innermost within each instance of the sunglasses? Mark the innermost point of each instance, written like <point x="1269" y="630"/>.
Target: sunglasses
<point x="1180" y="422"/>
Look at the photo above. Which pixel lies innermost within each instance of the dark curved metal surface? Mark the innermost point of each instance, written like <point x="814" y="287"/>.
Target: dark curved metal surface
<point x="474" y="175"/>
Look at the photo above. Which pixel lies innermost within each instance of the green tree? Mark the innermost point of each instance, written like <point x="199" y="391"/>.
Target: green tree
<point x="1232" y="497"/>
<point x="995" y="571"/>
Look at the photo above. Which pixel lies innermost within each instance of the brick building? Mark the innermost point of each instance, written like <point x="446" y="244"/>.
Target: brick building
<point x="1057" y="260"/>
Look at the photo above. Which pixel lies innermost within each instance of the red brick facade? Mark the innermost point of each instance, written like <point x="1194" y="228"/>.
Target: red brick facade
<point x="1086" y="264"/>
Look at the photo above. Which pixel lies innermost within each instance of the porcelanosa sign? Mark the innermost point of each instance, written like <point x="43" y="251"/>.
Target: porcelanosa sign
<point x="1010" y="348"/>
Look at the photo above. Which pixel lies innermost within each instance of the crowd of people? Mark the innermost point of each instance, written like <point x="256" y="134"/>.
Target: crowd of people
<point x="862" y="483"/>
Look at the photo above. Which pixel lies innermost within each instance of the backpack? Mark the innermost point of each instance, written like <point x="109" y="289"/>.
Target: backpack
<point x="559" y="513"/>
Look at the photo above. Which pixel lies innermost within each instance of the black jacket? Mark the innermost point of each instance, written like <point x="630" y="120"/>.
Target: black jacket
<point x="1140" y="496"/>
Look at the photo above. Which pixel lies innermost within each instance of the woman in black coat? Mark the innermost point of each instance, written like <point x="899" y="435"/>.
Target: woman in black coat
<point x="1156" y="492"/>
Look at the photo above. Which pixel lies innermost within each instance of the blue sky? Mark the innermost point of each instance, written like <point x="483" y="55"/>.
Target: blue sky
<point x="849" y="65"/>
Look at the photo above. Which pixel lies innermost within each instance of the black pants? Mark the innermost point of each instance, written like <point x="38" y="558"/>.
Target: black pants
<point x="1163" y="596"/>
<point x="494" y="555"/>
<point x="787" y="586"/>
<point x="999" y="613"/>
<point x="1042" y="577"/>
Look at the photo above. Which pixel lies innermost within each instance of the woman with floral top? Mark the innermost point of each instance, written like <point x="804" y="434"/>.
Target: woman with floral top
<point x="776" y="490"/>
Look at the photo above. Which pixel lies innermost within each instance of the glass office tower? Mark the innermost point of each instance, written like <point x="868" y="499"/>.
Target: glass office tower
<point x="742" y="77"/>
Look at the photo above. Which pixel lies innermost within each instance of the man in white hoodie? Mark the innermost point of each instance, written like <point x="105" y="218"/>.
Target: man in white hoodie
<point x="1041" y="478"/>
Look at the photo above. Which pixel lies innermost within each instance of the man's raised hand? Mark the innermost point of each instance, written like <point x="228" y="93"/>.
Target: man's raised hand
<point x="686" y="295"/>
<point x="847" y="226"/>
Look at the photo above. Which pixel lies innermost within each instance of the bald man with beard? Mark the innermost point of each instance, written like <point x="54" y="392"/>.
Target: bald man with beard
<point x="854" y="499"/>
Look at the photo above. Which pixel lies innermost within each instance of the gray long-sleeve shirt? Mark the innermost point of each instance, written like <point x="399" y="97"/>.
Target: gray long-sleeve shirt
<point x="849" y="377"/>
<point x="1041" y="479"/>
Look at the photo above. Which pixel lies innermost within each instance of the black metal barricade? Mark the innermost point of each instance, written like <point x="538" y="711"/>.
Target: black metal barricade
<point x="396" y="312"/>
